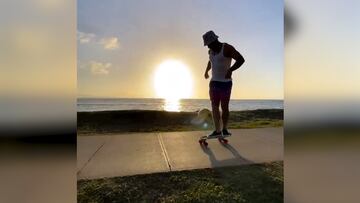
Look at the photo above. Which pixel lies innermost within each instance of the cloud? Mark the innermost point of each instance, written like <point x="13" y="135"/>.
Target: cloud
<point x="110" y="43"/>
<point x="97" y="68"/>
<point x="85" y="38"/>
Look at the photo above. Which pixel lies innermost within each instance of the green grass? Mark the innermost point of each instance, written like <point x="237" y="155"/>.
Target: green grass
<point x="162" y="121"/>
<point x="257" y="183"/>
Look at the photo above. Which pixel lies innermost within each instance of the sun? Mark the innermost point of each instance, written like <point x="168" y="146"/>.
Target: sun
<point x="172" y="80"/>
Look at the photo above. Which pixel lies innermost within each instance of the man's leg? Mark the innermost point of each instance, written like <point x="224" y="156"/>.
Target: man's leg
<point x="215" y="104"/>
<point x="225" y="99"/>
<point x="225" y="112"/>
<point x="216" y="116"/>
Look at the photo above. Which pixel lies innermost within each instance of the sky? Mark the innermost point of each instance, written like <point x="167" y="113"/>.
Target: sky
<point x="121" y="43"/>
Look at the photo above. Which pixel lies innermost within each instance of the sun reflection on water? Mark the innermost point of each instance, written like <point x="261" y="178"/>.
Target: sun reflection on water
<point x="172" y="105"/>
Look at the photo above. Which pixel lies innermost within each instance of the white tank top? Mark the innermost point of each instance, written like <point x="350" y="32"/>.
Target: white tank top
<point x="219" y="65"/>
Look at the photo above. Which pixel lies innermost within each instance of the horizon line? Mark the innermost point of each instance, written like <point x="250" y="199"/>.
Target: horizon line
<point x="88" y="97"/>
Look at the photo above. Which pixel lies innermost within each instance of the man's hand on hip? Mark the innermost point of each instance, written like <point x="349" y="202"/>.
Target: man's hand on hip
<point x="228" y="74"/>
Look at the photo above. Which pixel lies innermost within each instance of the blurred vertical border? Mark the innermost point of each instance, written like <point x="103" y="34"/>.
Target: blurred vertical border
<point x="322" y="97"/>
<point x="38" y="101"/>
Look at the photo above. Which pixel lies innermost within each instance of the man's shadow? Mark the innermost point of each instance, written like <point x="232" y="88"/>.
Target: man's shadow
<point x="236" y="160"/>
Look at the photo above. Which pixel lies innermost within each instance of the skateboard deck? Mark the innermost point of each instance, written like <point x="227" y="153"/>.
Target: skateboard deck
<point x="221" y="139"/>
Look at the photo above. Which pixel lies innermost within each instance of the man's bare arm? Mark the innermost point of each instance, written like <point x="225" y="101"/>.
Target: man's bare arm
<point x="233" y="53"/>
<point x="208" y="67"/>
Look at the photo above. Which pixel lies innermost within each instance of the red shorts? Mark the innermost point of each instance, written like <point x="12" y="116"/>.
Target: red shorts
<point x="220" y="92"/>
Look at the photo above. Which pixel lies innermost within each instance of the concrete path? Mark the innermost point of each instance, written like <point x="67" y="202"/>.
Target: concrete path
<point x="140" y="153"/>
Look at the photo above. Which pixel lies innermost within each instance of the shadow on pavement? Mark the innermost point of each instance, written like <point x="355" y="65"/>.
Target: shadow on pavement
<point x="236" y="160"/>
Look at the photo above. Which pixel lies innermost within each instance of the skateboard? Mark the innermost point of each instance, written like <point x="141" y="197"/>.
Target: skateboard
<point x="221" y="139"/>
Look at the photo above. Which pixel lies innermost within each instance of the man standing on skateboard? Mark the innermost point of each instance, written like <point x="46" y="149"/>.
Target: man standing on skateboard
<point x="220" y="56"/>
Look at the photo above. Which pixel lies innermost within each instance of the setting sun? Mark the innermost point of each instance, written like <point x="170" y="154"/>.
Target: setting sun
<point x="173" y="80"/>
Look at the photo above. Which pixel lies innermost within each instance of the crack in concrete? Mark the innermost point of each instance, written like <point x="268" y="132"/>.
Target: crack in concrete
<point x="91" y="157"/>
<point x="162" y="145"/>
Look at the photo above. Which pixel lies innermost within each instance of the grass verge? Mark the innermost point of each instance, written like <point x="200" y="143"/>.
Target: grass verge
<point x="161" y="121"/>
<point x="255" y="183"/>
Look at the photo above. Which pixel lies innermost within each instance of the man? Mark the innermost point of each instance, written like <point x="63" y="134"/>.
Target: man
<point x="220" y="56"/>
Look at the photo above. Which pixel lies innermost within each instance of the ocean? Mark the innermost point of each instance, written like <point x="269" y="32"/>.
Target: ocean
<point x="188" y="105"/>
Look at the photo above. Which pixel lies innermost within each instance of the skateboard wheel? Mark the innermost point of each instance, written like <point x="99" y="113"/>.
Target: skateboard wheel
<point x="225" y="141"/>
<point x="206" y="144"/>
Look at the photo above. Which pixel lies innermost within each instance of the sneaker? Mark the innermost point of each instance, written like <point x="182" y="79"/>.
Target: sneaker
<point x="214" y="134"/>
<point x="225" y="132"/>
